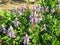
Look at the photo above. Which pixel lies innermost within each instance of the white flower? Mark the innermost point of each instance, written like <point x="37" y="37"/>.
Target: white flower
<point x="31" y="18"/>
<point x="44" y="27"/>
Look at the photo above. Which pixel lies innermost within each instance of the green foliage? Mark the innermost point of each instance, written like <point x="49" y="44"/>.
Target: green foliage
<point x="50" y="36"/>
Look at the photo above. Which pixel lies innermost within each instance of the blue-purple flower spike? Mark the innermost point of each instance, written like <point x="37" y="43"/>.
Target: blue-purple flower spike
<point x="26" y="39"/>
<point x="10" y="32"/>
<point x="16" y="22"/>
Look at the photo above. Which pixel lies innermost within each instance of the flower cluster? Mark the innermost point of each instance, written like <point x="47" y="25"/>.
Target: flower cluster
<point x="44" y="9"/>
<point x="38" y="8"/>
<point x="10" y="32"/>
<point x="35" y="19"/>
<point x="15" y="10"/>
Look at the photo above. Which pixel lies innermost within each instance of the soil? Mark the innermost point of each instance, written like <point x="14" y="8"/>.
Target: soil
<point x="10" y="4"/>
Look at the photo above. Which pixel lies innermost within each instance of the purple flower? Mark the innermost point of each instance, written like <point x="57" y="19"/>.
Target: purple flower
<point x="40" y="7"/>
<point x="26" y="39"/>
<point x="22" y="8"/>
<point x="31" y="19"/>
<point x="34" y="18"/>
<point x="16" y="22"/>
<point x="37" y="8"/>
<point x="10" y="32"/>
